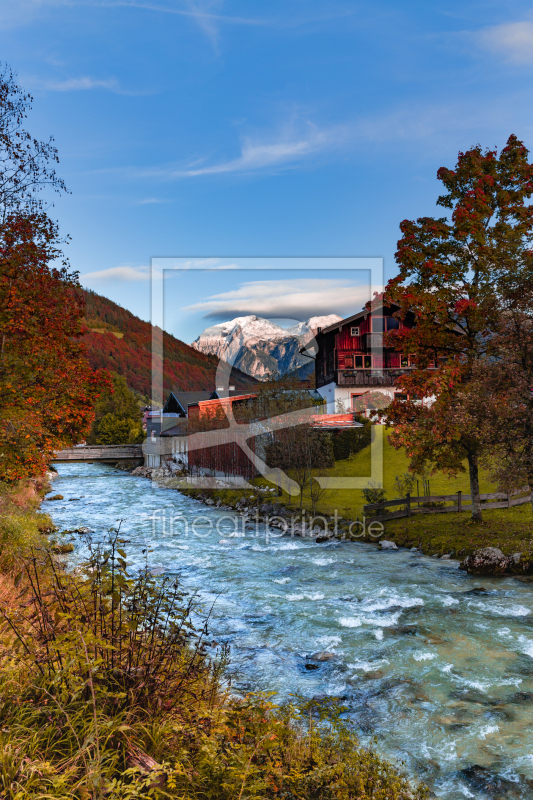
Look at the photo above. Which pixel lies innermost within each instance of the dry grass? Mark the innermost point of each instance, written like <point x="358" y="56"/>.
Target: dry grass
<point x="106" y="692"/>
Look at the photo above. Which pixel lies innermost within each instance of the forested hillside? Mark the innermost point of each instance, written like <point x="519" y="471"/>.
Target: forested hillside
<point x="121" y="342"/>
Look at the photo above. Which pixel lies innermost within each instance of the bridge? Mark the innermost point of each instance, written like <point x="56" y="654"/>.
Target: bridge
<point x="109" y="453"/>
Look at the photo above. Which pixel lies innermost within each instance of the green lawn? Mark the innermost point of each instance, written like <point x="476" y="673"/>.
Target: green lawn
<point x="349" y="502"/>
<point x="510" y="530"/>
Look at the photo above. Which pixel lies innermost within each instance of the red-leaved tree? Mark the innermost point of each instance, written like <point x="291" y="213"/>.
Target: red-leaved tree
<point x="456" y="273"/>
<point x="47" y="389"/>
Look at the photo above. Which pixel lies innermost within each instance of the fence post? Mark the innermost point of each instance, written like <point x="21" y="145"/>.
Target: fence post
<point x="459" y="493"/>
<point x="408" y="504"/>
<point x="508" y="500"/>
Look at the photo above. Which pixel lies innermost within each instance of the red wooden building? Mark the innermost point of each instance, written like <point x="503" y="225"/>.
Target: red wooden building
<point x="352" y="359"/>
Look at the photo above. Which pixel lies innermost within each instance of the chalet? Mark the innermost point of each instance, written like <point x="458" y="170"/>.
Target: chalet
<point x="352" y="360"/>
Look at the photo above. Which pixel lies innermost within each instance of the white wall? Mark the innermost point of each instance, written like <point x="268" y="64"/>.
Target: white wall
<point x="331" y="393"/>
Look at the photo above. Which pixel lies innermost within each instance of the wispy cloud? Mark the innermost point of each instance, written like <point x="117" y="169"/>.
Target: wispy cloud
<point x="123" y="274"/>
<point x="77" y="84"/>
<point x="298" y="144"/>
<point x="298" y="298"/>
<point x="264" y="155"/>
<point x="204" y="12"/>
<point x="512" y="40"/>
<point x="281" y="151"/>
<point x="149" y="201"/>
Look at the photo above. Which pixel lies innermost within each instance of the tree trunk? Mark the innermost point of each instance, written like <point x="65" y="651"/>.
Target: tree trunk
<point x="474" y="487"/>
<point x="528" y="453"/>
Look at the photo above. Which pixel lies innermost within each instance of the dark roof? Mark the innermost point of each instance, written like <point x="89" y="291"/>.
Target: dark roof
<point x="360" y="315"/>
<point x="219" y="394"/>
<point x="178" y="401"/>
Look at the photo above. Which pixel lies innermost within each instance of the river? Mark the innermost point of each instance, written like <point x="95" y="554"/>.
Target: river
<point x="436" y="664"/>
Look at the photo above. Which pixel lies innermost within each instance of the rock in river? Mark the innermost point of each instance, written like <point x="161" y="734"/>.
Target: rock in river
<point x="487" y="561"/>
<point x="386" y="545"/>
<point x="323" y="656"/>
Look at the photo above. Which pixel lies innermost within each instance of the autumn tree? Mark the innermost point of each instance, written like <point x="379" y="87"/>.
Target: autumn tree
<point x="455" y="274"/>
<point x="504" y="387"/>
<point x="47" y="391"/>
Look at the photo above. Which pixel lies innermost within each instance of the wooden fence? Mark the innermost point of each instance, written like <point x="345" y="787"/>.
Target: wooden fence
<point x="459" y="502"/>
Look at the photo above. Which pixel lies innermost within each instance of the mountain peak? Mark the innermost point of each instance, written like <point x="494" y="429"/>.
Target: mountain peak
<point x="260" y="347"/>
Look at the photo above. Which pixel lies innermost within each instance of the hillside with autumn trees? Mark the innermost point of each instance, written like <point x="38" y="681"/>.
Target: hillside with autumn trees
<point x="119" y="341"/>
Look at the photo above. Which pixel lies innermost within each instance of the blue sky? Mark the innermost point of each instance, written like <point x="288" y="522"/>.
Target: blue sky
<point x="229" y="129"/>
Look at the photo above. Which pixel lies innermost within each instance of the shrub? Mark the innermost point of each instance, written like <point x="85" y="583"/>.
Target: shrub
<point x="348" y="442"/>
<point x="374" y="493"/>
<point x="404" y="484"/>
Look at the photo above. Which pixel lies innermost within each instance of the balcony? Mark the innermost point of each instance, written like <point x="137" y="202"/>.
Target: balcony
<point x="369" y="377"/>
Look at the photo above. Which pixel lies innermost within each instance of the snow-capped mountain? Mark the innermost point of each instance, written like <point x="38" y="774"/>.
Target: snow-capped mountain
<point x="260" y="347"/>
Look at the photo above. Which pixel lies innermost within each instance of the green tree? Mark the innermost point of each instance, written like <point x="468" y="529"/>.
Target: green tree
<point x="118" y="417"/>
<point x="113" y="429"/>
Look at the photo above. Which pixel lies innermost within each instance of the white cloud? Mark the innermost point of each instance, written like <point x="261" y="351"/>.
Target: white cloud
<point x="79" y="84"/>
<point x="298" y="298"/>
<point x="268" y="153"/>
<point x="149" y="201"/>
<point x="124" y="274"/>
<point x="513" y="40"/>
<point x="256" y="155"/>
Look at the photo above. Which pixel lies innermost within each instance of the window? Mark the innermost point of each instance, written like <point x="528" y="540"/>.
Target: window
<point x="354" y="331"/>
<point x="348" y="362"/>
<point x="378" y="324"/>
<point x="359" y="362"/>
<point x="392" y="324"/>
<point x="367" y="362"/>
<point x="408" y="361"/>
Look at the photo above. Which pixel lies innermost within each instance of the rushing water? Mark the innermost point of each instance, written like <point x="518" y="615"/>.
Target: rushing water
<point x="436" y="664"/>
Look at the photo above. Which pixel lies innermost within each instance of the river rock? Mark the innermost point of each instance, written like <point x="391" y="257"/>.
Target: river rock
<point x="483" y="779"/>
<point x="55" y="497"/>
<point x="487" y="561"/>
<point x="61" y="549"/>
<point x="386" y="545"/>
<point x="323" y="656"/>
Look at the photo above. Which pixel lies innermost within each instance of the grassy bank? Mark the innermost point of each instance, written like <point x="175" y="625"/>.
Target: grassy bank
<point x="107" y="690"/>
<point x="436" y="534"/>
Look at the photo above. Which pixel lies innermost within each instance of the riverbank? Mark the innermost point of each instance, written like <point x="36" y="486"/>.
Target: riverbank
<point x="453" y="535"/>
<point x="432" y="662"/>
<point x="80" y="721"/>
<point x="447" y="535"/>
